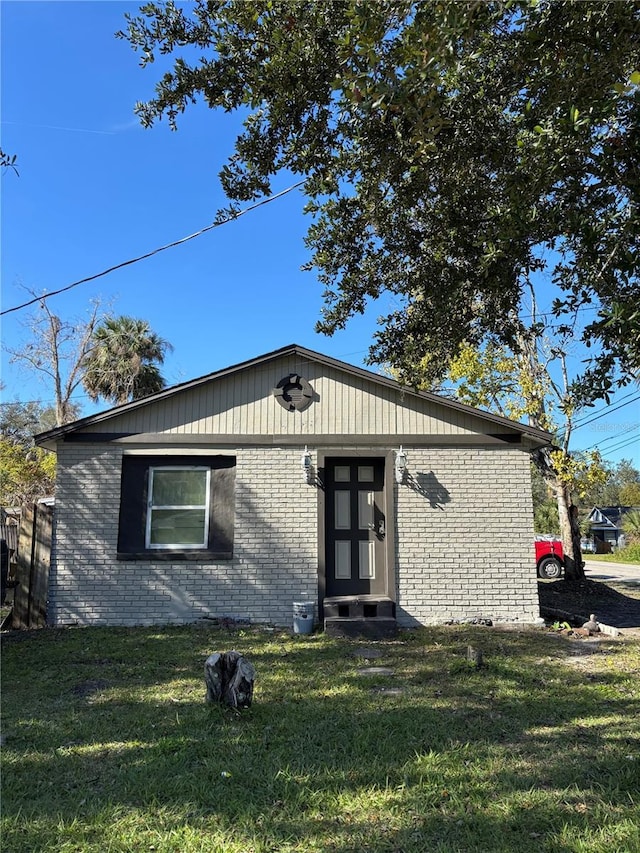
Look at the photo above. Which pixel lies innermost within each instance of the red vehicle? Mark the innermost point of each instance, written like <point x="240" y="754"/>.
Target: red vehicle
<point x="549" y="557"/>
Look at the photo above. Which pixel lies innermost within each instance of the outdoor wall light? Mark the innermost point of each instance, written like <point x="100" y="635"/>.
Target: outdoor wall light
<point x="401" y="465"/>
<point x="305" y="461"/>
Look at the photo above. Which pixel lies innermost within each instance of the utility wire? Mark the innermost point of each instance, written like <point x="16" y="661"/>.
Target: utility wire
<point x="618" y="447"/>
<point x="597" y="417"/>
<point x="633" y="440"/>
<point x="198" y="234"/>
<point x="606" y="408"/>
<point x="613" y="437"/>
<point x="154" y="251"/>
<point x="554" y="314"/>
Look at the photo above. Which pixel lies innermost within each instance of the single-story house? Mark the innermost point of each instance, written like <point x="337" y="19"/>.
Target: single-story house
<point x="293" y="477"/>
<point x="606" y="527"/>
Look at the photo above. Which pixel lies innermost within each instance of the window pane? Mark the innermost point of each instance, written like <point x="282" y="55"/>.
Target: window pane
<point x="365" y="510"/>
<point x="365" y="473"/>
<point x="343" y="510"/>
<point x="342" y="474"/>
<point x="367" y="560"/>
<point x="343" y="561"/>
<point x="178" y="527"/>
<point x="179" y="488"/>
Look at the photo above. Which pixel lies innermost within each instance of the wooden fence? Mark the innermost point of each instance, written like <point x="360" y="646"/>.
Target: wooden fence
<point x="32" y="567"/>
<point x="9" y="526"/>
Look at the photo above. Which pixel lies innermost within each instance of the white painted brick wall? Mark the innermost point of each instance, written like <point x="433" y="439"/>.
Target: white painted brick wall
<point x="275" y="553"/>
<point x="464" y="537"/>
<point x="464" y="542"/>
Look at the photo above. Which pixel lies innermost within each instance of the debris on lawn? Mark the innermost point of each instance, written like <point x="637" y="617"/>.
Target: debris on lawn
<point x="475" y="657"/>
<point x="229" y="677"/>
<point x="592" y="625"/>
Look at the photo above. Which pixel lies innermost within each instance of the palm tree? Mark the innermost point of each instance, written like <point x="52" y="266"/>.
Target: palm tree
<point x="631" y="526"/>
<point x="122" y="363"/>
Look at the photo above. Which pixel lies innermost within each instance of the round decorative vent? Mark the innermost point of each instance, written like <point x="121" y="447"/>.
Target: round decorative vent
<point x="293" y="393"/>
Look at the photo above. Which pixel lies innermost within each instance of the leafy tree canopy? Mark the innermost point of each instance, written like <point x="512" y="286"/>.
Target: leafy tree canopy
<point x="19" y="422"/>
<point x="122" y="361"/>
<point x="631" y="527"/>
<point x="620" y="488"/>
<point x="8" y="161"/>
<point x="630" y="494"/>
<point x="26" y="472"/>
<point x="450" y="152"/>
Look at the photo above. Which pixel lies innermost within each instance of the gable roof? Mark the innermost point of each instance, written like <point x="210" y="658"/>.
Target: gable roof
<point x="609" y="516"/>
<point x="537" y="436"/>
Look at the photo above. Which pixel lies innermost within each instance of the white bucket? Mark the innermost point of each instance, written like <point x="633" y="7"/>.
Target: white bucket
<point x="303" y="617"/>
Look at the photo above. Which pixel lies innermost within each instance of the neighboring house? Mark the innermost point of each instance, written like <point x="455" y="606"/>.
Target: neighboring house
<point x="293" y="477"/>
<point x="606" y="527"/>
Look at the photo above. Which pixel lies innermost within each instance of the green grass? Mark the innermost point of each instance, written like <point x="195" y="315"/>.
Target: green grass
<point x="109" y="745"/>
<point x="624" y="555"/>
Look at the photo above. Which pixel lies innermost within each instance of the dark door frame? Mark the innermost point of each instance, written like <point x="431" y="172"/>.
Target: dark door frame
<point x="389" y="511"/>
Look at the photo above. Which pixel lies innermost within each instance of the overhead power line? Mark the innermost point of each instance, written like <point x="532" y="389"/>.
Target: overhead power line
<point x="589" y="415"/>
<point x="617" y="447"/>
<point x="556" y="314"/>
<point x="617" y="437"/>
<point x="154" y="251"/>
<point x="597" y="417"/>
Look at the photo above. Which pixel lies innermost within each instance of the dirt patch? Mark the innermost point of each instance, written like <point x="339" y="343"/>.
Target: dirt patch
<point x="575" y="601"/>
<point x="88" y="688"/>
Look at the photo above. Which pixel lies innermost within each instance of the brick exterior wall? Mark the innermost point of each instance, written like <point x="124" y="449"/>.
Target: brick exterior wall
<point x="275" y="554"/>
<point x="463" y="528"/>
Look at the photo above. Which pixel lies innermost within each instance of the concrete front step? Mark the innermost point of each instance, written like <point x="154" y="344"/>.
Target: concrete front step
<point x="359" y="607"/>
<point x="374" y="628"/>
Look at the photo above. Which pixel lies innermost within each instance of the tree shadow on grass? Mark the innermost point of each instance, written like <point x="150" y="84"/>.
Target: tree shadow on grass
<point x="461" y="759"/>
<point x="576" y="601"/>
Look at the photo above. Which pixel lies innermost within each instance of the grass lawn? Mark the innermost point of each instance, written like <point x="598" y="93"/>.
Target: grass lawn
<point x="618" y="557"/>
<point x="109" y="745"/>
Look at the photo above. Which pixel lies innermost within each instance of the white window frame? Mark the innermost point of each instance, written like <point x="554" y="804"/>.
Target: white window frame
<point x="151" y="507"/>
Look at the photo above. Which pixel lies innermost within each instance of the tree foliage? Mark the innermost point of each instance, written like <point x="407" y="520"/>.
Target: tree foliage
<point x="55" y="349"/>
<point x="122" y="361"/>
<point x="26" y="472"/>
<point x="25" y="476"/>
<point x="114" y="357"/>
<point x="8" y="161"/>
<point x="630" y="494"/>
<point x="522" y="384"/>
<point x="631" y="527"/>
<point x="621" y="487"/>
<point x="450" y="151"/>
<point x="618" y="485"/>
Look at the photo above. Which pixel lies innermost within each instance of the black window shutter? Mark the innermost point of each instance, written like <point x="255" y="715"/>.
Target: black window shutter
<point x="133" y="507"/>
<point x="223" y="482"/>
<point x="133" y="504"/>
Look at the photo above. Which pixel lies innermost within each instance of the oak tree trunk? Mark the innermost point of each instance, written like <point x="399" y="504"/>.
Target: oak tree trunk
<point x="570" y="533"/>
<point x="567" y="516"/>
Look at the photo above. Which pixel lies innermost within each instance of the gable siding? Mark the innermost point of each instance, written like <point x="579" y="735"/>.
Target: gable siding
<point x="243" y="404"/>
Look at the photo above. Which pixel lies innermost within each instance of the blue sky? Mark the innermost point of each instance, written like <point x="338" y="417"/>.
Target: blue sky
<point x="96" y="189"/>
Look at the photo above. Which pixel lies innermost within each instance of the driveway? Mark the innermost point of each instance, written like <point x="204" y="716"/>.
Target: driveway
<point x="612" y="572"/>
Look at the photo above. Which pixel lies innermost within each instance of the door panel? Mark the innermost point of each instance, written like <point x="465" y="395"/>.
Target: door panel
<point x="355" y="527"/>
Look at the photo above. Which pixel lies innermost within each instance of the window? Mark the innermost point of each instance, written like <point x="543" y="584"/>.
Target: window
<point x="177" y="508"/>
